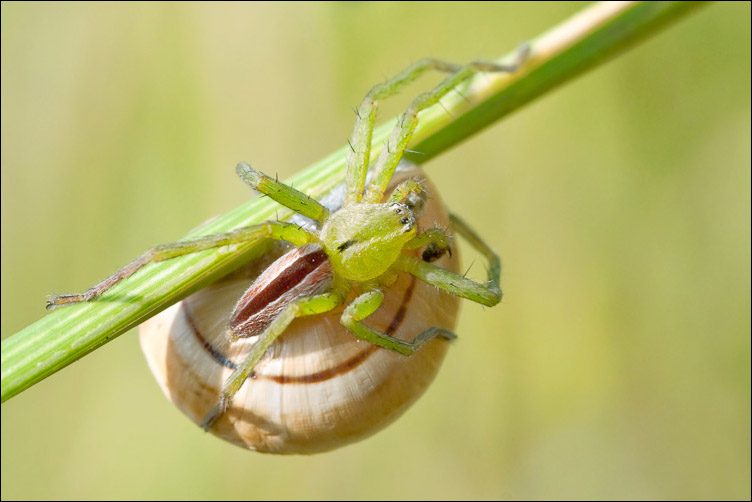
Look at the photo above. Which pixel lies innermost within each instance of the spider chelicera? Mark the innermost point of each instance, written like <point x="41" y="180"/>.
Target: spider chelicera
<point x="362" y="246"/>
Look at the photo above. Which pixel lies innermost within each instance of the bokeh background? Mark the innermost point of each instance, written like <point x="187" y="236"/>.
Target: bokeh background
<point x="618" y="365"/>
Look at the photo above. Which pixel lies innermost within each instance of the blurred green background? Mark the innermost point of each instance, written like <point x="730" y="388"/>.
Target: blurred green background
<point x="618" y="365"/>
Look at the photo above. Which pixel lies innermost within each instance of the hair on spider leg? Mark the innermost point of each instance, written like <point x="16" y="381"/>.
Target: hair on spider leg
<point x="445" y="229"/>
<point x="351" y="147"/>
<point x="468" y="268"/>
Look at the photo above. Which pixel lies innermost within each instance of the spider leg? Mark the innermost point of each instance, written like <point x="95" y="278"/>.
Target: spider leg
<point x="282" y="193"/>
<point x="267" y="230"/>
<point x="392" y="152"/>
<point x="412" y="193"/>
<point x="360" y="141"/>
<point x="305" y="306"/>
<point x="436" y="241"/>
<point x="487" y="294"/>
<point x="365" y="305"/>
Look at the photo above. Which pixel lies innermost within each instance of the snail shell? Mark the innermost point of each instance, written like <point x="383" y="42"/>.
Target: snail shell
<point x="318" y="387"/>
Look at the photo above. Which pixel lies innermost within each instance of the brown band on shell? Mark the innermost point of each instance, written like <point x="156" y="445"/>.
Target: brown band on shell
<point x="399" y="316"/>
<point x="217" y="355"/>
<point x="319" y="376"/>
<point x="357" y="359"/>
<point x="327" y="374"/>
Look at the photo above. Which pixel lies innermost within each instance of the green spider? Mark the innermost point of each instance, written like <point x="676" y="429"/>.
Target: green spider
<point x="361" y="246"/>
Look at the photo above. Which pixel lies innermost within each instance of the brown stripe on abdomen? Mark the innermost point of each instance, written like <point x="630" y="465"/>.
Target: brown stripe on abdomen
<point x="299" y="272"/>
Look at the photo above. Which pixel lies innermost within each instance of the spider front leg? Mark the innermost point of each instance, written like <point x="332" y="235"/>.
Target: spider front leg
<point x="365" y="305"/>
<point x="395" y="146"/>
<point x="282" y="193"/>
<point x="360" y="141"/>
<point x="487" y="294"/>
<point x="267" y="230"/>
<point x="300" y="307"/>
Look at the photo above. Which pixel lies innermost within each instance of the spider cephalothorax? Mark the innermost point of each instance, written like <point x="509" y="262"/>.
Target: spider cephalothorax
<point x="350" y="257"/>
<point x="364" y="240"/>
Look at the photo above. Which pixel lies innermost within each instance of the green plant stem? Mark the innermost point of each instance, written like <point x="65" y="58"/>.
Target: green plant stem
<point x="66" y="334"/>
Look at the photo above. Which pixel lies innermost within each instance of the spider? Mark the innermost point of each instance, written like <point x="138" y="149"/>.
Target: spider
<point x="360" y="247"/>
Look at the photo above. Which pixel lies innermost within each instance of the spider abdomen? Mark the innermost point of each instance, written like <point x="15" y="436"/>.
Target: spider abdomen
<point x="302" y="271"/>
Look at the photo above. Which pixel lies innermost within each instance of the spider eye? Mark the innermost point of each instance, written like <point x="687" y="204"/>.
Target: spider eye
<point x="404" y="221"/>
<point x="398" y="210"/>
